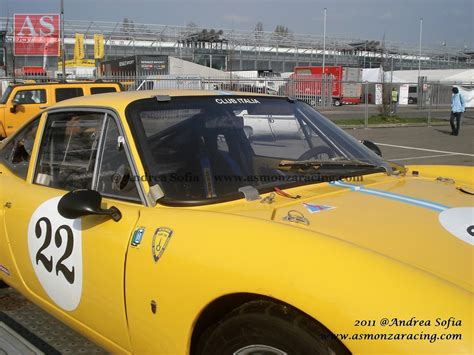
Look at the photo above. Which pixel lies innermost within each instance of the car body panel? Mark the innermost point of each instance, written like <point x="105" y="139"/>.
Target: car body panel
<point x="20" y="276"/>
<point x="11" y="122"/>
<point x="367" y="258"/>
<point x="103" y="258"/>
<point x="330" y="279"/>
<point x="401" y="235"/>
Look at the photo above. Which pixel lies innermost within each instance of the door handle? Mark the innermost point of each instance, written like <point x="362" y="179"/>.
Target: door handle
<point x="43" y="107"/>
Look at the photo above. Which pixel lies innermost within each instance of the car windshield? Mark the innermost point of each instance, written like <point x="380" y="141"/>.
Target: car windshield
<point x="202" y="149"/>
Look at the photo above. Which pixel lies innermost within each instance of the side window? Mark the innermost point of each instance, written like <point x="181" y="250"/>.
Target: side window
<point x="25" y="97"/>
<point x="102" y="90"/>
<point x="68" y="93"/>
<point x="68" y="150"/>
<point x="17" y="152"/>
<point x="115" y="178"/>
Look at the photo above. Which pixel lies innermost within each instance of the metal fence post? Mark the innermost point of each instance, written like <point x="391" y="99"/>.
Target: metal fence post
<point x="323" y="88"/>
<point x="429" y="106"/>
<point x="366" y="117"/>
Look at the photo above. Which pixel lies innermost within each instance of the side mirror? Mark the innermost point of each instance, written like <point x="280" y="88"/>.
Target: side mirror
<point x="80" y="203"/>
<point x="13" y="108"/>
<point x="372" y="146"/>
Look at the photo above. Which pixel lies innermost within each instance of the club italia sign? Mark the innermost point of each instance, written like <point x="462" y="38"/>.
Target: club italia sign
<point x="36" y="34"/>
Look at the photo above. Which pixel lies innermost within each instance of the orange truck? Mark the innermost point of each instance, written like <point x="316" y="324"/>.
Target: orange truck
<point x="307" y="84"/>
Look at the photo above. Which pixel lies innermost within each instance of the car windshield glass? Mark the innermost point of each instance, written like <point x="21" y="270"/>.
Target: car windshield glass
<point x="204" y="148"/>
<point x="6" y="94"/>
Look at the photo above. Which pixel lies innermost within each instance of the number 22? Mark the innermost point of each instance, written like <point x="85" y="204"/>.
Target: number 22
<point x="69" y="274"/>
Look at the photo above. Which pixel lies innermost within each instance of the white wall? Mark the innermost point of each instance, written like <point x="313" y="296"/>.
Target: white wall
<point x="182" y="67"/>
<point x="465" y="76"/>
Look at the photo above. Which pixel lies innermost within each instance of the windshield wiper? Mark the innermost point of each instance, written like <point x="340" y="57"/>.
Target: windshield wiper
<point x="316" y="164"/>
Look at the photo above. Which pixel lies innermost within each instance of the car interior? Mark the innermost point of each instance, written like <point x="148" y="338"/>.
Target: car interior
<point x="68" y="152"/>
<point x="198" y="150"/>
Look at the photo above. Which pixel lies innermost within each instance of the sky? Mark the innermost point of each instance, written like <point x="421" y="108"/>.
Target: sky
<point x="448" y="22"/>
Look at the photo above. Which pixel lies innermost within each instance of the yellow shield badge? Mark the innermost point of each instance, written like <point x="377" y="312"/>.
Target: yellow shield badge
<point x="160" y="241"/>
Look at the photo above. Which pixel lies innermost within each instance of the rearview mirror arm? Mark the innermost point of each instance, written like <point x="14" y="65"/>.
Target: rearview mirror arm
<point x="113" y="212"/>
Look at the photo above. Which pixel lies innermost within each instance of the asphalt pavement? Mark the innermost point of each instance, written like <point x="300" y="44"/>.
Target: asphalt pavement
<point x="422" y="145"/>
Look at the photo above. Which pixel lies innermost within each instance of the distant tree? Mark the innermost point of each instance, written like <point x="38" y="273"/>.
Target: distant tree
<point x="191" y="24"/>
<point x="128" y="26"/>
<point x="125" y="23"/>
<point x="281" y="32"/>
<point x="258" y="31"/>
<point x="191" y="28"/>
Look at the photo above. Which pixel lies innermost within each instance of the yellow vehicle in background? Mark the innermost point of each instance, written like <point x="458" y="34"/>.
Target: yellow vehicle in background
<point x="20" y="102"/>
<point x="218" y="223"/>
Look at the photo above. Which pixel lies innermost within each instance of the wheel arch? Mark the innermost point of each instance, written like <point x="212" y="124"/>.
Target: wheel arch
<point x="218" y="308"/>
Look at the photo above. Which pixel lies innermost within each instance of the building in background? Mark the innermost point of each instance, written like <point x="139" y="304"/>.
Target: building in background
<point x="231" y="50"/>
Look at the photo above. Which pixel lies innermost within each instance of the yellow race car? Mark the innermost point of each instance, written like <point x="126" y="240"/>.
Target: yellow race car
<point x="188" y="222"/>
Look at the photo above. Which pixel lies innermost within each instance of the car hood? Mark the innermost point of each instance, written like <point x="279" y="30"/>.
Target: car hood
<point x="423" y="220"/>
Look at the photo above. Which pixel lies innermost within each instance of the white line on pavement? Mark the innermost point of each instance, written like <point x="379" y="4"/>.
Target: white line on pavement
<point x="423" y="149"/>
<point x="424" y="157"/>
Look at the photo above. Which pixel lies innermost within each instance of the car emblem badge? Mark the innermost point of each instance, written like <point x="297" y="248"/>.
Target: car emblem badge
<point x="160" y="241"/>
<point x="137" y="237"/>
<point x="317" y="208"/>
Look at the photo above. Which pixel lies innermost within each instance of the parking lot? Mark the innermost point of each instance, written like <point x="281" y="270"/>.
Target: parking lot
<point x="422" y="145"/>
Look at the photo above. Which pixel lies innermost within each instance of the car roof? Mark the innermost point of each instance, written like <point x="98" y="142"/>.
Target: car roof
<point x="122" y="99"/>
<point x="59" y="83"/>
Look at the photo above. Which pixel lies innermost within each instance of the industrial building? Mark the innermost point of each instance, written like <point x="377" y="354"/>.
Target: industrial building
<point x="232" y="50"/>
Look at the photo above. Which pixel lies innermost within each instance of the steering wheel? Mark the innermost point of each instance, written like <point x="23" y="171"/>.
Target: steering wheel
<point x="316" y="152"/>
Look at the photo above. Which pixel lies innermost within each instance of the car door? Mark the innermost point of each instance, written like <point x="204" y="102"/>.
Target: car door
<point x="14" y="162"/>
<point x="76" y="267"/>
<point x="24" y="104"/>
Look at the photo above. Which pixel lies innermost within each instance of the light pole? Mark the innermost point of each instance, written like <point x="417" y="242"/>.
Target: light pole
<point x="419" y="52"/>
<point x="63" y="49"/>
<point x="365" y="51"/>
<point x="324" y="40"/>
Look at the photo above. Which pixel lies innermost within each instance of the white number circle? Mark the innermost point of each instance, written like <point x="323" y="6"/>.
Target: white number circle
<point x="55" y="247"/>
<point x="459" y="222"/>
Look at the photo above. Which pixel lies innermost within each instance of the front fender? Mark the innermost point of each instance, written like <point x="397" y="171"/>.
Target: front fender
<point x="213" y="254"/>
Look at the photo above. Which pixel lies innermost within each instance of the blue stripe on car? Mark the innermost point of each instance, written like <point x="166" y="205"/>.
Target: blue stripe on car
<point x="390" y="195"/>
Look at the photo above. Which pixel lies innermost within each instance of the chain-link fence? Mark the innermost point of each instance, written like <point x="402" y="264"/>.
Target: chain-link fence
<point x="345" y="102"/>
